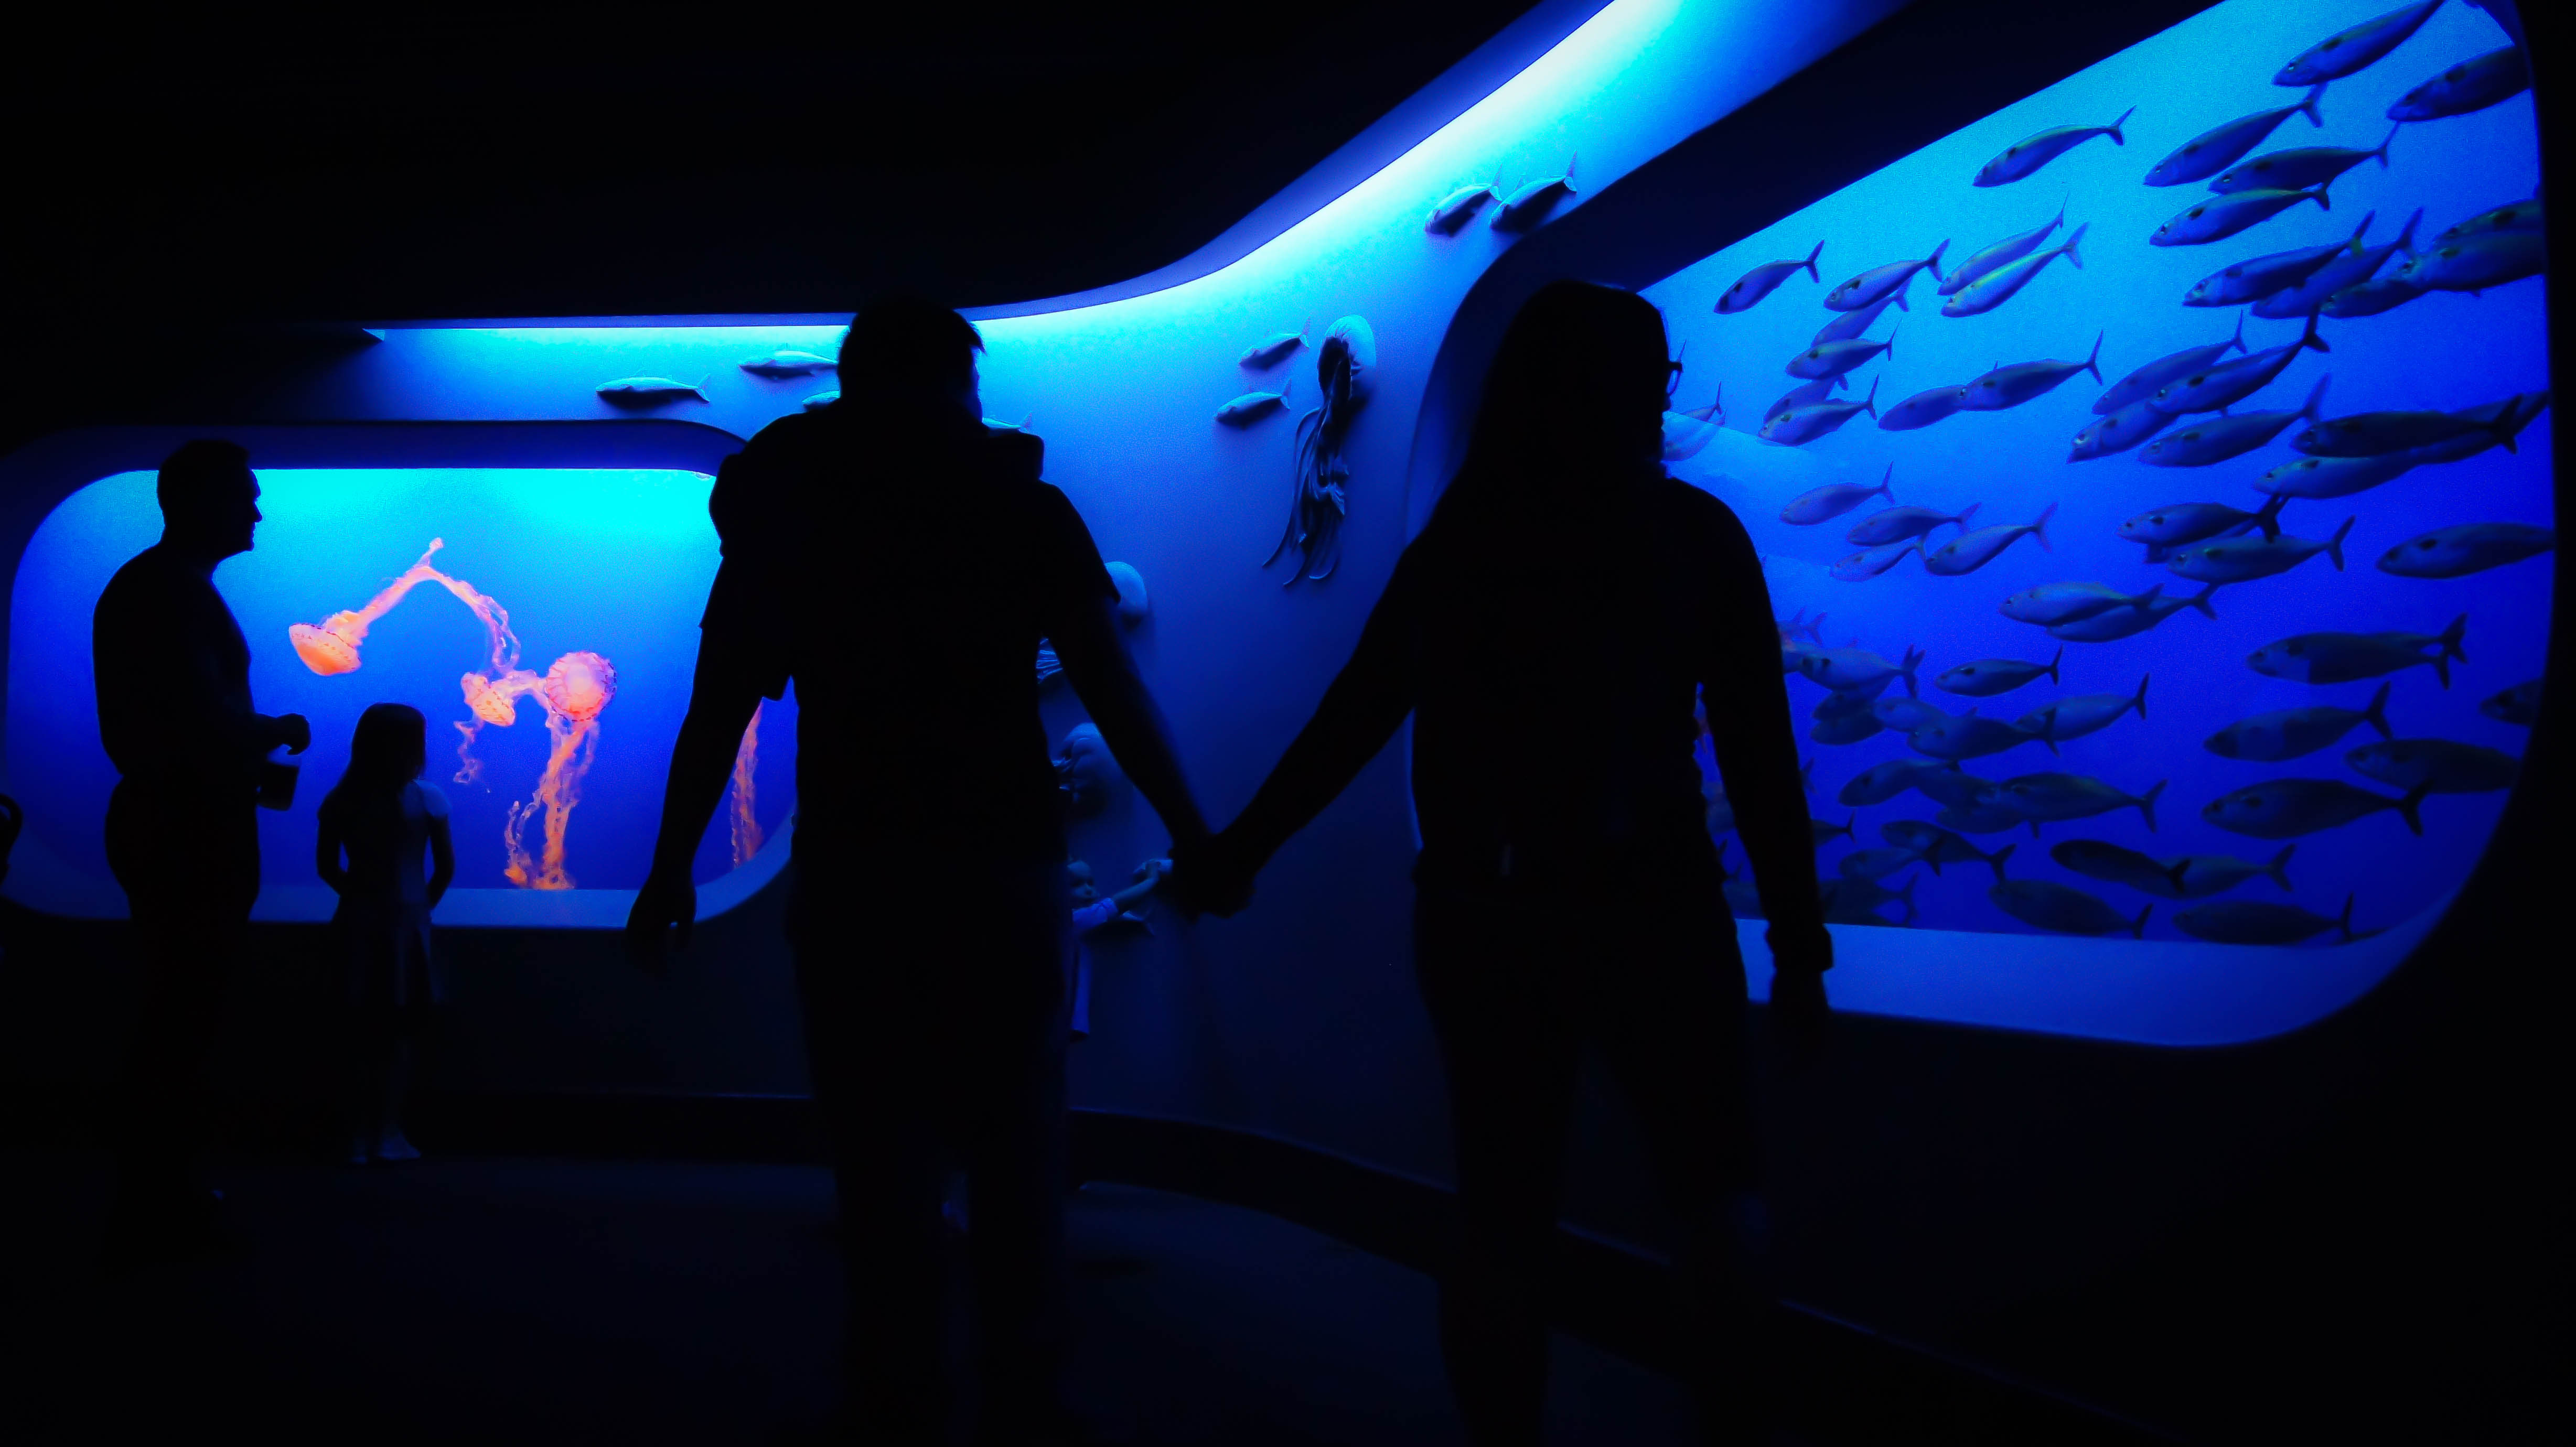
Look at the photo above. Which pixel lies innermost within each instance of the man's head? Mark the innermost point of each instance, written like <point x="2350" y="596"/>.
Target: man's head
<point x="908" y="346"/>
<point x="209" y="499"/>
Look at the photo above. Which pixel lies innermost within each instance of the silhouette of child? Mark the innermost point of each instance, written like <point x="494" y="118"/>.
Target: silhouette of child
<point x="383" y="817"/>
<point x="1093" y="912"/>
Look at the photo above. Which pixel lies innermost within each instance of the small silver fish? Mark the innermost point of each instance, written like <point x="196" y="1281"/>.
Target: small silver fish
<point x="2073" y="718"/>
<point x="1849" y="728"/>
<point x="2435" y="766"/>
<point x="2456" y="552"/>
<point x="1843" y="669"/>
<point x="1987" y="677"/>
<point x="2242" y="560"/>
<point x="1976" y="818"/>
<point x="2472" y="85"/>
<point x="1799" y="623"/>
<point x="1453" y="211"/>
<point x="1950" y="786"/>
<point x="1714" y="413"/>
<point x="2116" y="623"/>
<point x="1884" y="781"/>
<point x="650" y="391"/>
<point x="2065" y="602"/>
<point x="1844" y="704"/>
<point x="1821" y="833"/>
<point x="2369" y="298"/>
<point x="1971" y="551"/>
<point x="1937" y="846"/>
<point x="2513" y="216"/>
<point x="1832" y="359"/>
<point x="1881" y="283"/>
<point x="2064" y="909"/>
<point x="2346" y="269"/>
<point x="1831" y="501"/>
<point x="2220" y="147"/>
<point x="2254" y="922"/>
<point x="821" y="400"/>
<point x="2299" y="168"/>
<point x="1803" y="424"/>
<point x="2211" y="440"/>
<point x="996" y="425"/>
<point x="2264" y="275"/>
<point x="1896" y="524"/>
<point x="2474" y="263"/>
<point x="1273" y="349"/>
<point x="1852" y="323"/>
<point x="2010" y="249"/>
<point x="1762" y="280"/>
<point x="1816" y="391"/>
<point x="2490" y="425"/>
<point x="2177" y="524"/>
<point x="2355" y="46"/>
<point x="2221" y="217"/>
<point x="2202" y="875"/>
<point x="1921" y="410"/>
<point x="1686" y="436"/>
<point x="1857" y="901"/>
<point x="2269" y="738"/>
<point x="2020" y="382"/>
<point x="1251" y="407"/>
<point x="2329" y="477"/>
<point x="2120" y="431"/>
<point x="2519" y="704"/>
<point x="789" y="362"/>
<point x="2145" y="382"/>
<point x="2110" y="863"/>
<point x="2287" y="808"/>
<point x="2370" y="434"/>
<point x="1967" y="736"/>
<point x="1905" y="715"/>
<point x="1997" y="287"/>
<point x="1532" y="201"/>
<point x="2056" y="798"/>
<point x="2345" y="657"/>
<point x="2026" y="156"/>
<point x="2230" y="382"/>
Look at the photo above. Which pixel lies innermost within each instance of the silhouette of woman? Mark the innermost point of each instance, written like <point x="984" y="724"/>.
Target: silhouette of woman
<point x="1549" y="631"/>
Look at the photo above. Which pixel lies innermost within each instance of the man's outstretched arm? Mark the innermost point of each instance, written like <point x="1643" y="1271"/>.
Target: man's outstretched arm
<point x="721" y="702"/>
<point x="1095" y="658"/>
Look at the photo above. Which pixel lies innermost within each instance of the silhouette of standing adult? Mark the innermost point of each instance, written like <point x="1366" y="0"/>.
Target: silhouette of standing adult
<point x="901" y="562"/>
<point x="174" y="712"/>
<point x="1548" y="632"/>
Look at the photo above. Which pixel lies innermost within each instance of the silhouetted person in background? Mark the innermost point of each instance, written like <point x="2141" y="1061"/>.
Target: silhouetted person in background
<point x="1549" y="630"/>
<point x="899" y="562"/>
<point x="175" y="714"/>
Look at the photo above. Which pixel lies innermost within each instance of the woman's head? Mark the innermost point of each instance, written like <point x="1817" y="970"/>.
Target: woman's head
<point x="1580" y="381"/>
<point x="390" y="748"/>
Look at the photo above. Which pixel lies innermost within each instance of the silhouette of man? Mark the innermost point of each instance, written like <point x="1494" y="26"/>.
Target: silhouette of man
<point x="1549" y="631"/>
<point x="175" y="714"/>
<point x="900" y="562"/>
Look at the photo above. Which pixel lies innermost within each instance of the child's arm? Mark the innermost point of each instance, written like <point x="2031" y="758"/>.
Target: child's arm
<point x="326" y="851"/>
<point x="1149" y="877"/>
<point x="442" y="848"/>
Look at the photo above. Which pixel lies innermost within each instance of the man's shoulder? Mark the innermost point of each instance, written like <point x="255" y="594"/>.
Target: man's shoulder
<point x="146" y="580"/>
<point x="1695" y="511"/>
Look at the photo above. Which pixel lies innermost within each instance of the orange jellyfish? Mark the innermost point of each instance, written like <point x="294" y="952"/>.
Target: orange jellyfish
<point x="331" y="646"/>
<point x="746" y="769"/>
<point x="574" y="691"/>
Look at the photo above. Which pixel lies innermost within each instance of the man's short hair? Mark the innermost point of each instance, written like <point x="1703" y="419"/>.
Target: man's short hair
<point x="908" y="343"/>
<point x="199" y="473"/>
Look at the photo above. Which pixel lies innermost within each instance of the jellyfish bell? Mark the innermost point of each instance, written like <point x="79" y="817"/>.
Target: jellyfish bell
<point x="491" y="705"/>
<point x="323" y="651"/>
<point x="579" y="685"/>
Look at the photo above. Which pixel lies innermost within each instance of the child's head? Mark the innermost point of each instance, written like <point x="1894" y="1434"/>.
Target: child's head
<point x="389" y="749"/>
<point x="1078" y="883"/>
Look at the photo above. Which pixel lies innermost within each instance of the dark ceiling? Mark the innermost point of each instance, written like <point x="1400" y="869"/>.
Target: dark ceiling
<point x="415" y="162"/>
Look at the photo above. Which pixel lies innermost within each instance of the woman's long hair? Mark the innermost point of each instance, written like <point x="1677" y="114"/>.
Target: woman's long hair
<point x="1575" y="394"/>
<point x="389" y="750"/>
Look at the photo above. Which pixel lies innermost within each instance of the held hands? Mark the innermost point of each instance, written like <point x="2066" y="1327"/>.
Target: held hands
<point x="1207" y="877"/>
<point x="665" y="910"/>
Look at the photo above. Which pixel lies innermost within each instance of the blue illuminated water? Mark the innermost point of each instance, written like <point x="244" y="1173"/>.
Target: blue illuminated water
<point x="2443" y="351"/>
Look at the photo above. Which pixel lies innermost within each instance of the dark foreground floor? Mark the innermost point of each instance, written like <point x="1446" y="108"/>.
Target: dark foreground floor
<point x="515" y="1300"/>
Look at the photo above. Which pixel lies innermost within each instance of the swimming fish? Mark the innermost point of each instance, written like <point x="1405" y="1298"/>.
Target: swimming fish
<point x="2519" y="704"/>
<point x="2055" y="798"/>
<point x="1905" y="715"/>
<point x="2269" y="738"/>
<point x="2264" y="275"/>
<point x="2354" y="46"/>
<point x="2010" y="249"/>
<point x="821" y="400"/>
<point x="1530" y="203"/>
<point x="2065" y="602"/>
<point x="1997" y="287"/>
<point x="2435" y="766"/>
<point x="1976" y="818"/>
<point x="1922" y="409"/>
<point x="1685" y="437"/>
<point x="1799" y="623"/>
<point x="2369" y="298"/>
<point x="1251" y="407"/>
<point x="2064" y="909"/>
<point x="2150" y="379"/>
<point x="2456" y="552"/>
<point x="2369" y="434"/>
<point x="2221" y="217"/>
<point x="1848" y="325"/>
<point x="1875" y="864"/>
<point x="2073" y="718"/>
<point x="2177" y="524"/>
<point x="2299" y="168"/>
<point x="1832" y="359"/>
<point x="2285" y="808"/>
<point x="1842" y="669"/>
<point x="1455" y="210"/>
<point x="2326" y="477"/>
<point x="789" y="362"/>
<point x="1881" y="283"/>
<point x="2512" y="216"/>
<point x="2346" y="269"/>
<point x="1881" y="782"/>
<point x="1937" y="846"/>
<point x="2110" y="863"/>
<point x="2202" y="875"/>
<point x="2020" y="382"/>
<point x="1809" y="421"/>
<point x="1970" y="551"/>
<point x="2472" y="85"/>
<point x="2117" y="623"/>
<point x="2220" y="147"/>
<point x="1275" y="348"/>
<point x="1845" y="704"/>
<point x="1950" y="785"/>
<point x="2474" y="263"/>
<point x="1714" y="413"/>
<point x="2028" y="155"/>
<point x="2255" y="922"/>
<point x="1816" y="391"/>
<point x="2344" y="657"/>
<point x="1895" y="524"/>
<point x="1849" y="728"/>
<point x="2215" y="439"/>
<point x="2490" y="425"/>
<point x="1762" y="280"/>
<point x="1990" y="676"/>
<point x="2234" y="380"/>
<point x="1822" y="833"/>
<point x="2242" y="560"/>
<point x="1857" y="901"/>
<point x="1834" y="499"/>
<point x="650" y="391"/>
<point x="1967" y="736"/>
<point x="996" y="425"/>
<point x="2120" y="431"/>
